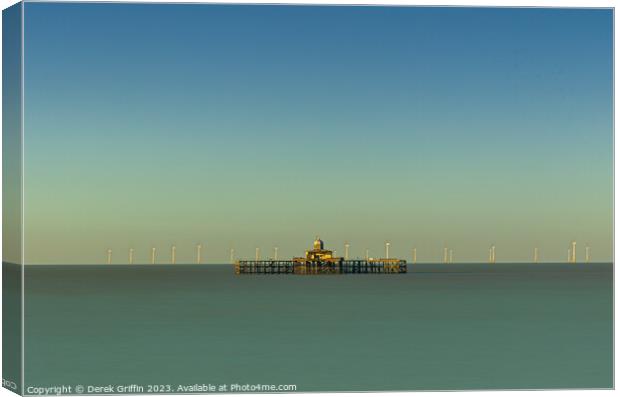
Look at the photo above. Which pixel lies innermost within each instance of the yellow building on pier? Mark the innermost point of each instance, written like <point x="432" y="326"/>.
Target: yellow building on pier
<point x="319" y="254"/>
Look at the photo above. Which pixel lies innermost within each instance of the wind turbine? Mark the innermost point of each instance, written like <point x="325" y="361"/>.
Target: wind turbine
<point x="173" y="254"/>
<point x="387" y="250"/>
<point x="346" y="251"/>
<point x="198" y="253"/>
<point x="153" y="256"/>
<point x="109" y="256"/>
<point x="131" y="256"/>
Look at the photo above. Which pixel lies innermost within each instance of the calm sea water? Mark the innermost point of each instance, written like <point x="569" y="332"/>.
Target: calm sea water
<point x="500" y="326"/>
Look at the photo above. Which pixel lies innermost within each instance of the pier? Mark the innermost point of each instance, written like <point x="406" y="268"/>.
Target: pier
<point x="340" y="267"/>
<point x="321" y="261"/>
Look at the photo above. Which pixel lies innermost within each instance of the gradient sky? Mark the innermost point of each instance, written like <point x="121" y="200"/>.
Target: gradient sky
<point x="254" y="126"/>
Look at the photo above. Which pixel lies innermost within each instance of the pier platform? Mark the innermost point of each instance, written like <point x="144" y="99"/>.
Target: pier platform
<point x="303" y="267"/>
<point x="319" y="260"/>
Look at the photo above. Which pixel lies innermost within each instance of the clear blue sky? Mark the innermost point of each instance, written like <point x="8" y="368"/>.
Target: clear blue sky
<point x="254" y="126"/>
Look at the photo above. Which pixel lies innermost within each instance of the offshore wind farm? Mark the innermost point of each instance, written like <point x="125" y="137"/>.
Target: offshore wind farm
<point x="446" y="258"/>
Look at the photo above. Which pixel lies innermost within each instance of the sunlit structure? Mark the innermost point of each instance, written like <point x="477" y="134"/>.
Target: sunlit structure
<point x="319" y="260"/>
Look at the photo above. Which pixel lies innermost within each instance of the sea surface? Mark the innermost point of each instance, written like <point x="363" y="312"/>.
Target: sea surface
<point x="438" y="327"/>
